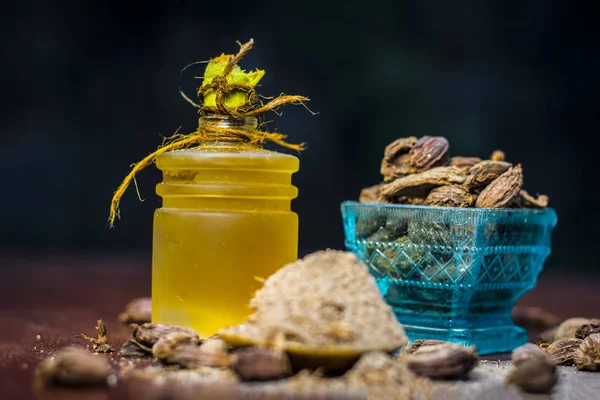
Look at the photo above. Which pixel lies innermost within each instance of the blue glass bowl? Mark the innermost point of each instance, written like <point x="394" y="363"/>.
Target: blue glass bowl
<point x="452" y="274"/>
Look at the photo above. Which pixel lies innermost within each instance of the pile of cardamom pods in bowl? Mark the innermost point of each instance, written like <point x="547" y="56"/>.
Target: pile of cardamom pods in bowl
<point x="420" y="171"/>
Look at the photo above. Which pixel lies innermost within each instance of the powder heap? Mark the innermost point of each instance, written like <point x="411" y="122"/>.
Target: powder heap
<point x="326" y="300"/>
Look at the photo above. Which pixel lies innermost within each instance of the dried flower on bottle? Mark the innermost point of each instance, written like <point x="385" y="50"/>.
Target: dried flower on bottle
<point x="73" y="366"/>
<point x="100" y="344"/>
<point x="587" y="356"/>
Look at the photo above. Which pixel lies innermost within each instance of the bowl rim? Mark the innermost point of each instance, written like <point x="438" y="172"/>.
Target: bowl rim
<point x="530" y="211"/>
<point x="545" y="216"/>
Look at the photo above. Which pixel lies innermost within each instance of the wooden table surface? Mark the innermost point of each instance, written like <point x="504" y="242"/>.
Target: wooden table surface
<point x="46" y="300"/>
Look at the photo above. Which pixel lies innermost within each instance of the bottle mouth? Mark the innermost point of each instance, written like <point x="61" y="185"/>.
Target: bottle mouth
<point x="224" y="122"/>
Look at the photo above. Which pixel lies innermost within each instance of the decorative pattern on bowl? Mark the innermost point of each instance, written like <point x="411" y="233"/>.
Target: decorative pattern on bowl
<point x="452" y="273"/>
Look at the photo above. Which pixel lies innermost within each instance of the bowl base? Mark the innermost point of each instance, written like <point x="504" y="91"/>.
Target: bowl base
<point x="487" y="340"/>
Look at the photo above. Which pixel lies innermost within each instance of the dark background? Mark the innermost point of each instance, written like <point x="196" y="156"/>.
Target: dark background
<point x="89" y="87"/>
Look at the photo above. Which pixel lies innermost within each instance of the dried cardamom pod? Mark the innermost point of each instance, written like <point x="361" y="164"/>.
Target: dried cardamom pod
<point x="442" y="361"/>
<point x="419" y="185"/>
<point x="464" y="163"/>
<point x="371" y="194"/>
<point x="587" y="330"/>
<point x="261" y="363"/>
<point x="429" y="152"/>
<point x="534" y="318"/>
<point x="569" y="327"/>
<point x="180" y="348"/>
<point x="484" y="173"/>
<point x="587" y="356"/>
<point x="526" y="352"/>
<point x="138" y="311"/>
<point x="396" y="161"/>
<point x="562" y="351"/>
<point x="148" y="334"/>
<point x="525" y="200"/>
<point x="449" y="196"/>
<point x="164" y="345"/>
<point x="73" y="366"/>
<point x="501" y="192"/>
<point x="132" y="348"/>
<point x="498" y="155"/>
<point x="417" y="344"/>
<point x="533" y="374"/>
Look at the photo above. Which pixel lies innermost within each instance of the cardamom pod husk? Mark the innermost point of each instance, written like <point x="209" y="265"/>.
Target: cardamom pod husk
<point x="569" y="327"/>
<point x="587" y="356"/>
<point x="588" y="329"/>
<point x="484" y="173"/>
<point x="502" y="191"/>
<point x="442" y="361"/>
<point x="429" y="152"/>
<point x="419" y="185"/>
<point x="396" y="161"/>
<point x="449" y="196"/>
<point x="562" y="351"/>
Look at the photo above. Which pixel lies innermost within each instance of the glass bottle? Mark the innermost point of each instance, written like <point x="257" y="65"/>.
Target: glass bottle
<point x="225" y="223"/>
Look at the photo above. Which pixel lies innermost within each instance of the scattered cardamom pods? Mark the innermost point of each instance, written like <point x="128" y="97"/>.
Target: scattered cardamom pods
<point x="73" y="366"/>
<point x="132" y="348"/>
<point x="562" y="351"/>
<point x="148" y="334"/>
<point x="534" y="318"/>
<point x="533" y="370"/>
<point x="138" y="311"/>
<point x="569" y="327"/>
<point x="588" y="329"/>
<point x="261" y="363"/>
<point x="442" y="361"/>
<point x="587" y="356"/>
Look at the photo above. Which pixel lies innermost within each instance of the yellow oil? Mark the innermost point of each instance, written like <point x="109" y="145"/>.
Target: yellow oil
<point x="225" y="223"/>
